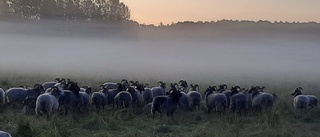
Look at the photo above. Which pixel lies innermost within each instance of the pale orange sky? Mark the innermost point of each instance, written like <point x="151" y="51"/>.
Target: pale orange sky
<point x="167" y="11"/>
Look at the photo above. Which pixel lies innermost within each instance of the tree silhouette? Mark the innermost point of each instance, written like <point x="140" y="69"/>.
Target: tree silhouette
<point x="4" y="9"/>
<point x="70" y="10"/>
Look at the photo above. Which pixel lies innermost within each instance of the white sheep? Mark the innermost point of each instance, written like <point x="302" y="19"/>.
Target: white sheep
<point x="47" y="103"/>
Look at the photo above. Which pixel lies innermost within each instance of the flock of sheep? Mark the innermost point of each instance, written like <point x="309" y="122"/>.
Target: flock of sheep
<point x="65" y="95"/>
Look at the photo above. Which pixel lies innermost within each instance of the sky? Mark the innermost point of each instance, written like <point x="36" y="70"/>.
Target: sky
<point x="168" y="11"/>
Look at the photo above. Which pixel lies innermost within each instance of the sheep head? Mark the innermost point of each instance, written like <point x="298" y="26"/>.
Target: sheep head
<point x="183" y="83"/>
<point x="235" y="90"/>
<point x="174" y="92"/>
<point x="297" y="91"/>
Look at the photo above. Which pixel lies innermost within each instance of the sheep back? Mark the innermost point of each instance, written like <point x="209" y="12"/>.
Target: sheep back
<point x="313" y="100"/>
<point x="216" y="102"/>
<point x="194" y="99"/>
<point x="239" y="102"/>
<point x="158" y="91"/>
<point x="123" y="99"/>
<point x="301" y="102"/>
<point x="262" y="100"/>
<point x="19" y="94"/>
<point x="147" y="96"/>
<point x="45" y="104"/>
<point x="4" y="134"/>
<point x="183" y="101"/>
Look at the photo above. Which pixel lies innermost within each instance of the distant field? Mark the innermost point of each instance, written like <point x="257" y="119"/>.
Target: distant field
<point x="280" y="122"/>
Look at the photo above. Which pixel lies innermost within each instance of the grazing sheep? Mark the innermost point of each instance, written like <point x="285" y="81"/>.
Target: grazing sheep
<point x="261" y="100"/>
<point x="99" y="99"/>
<point x="71" y="98"/>
<point x="249" y="98"/>
<point x="194" y="97"/>
<point x="29" y="105"/>
<point x="111" y="93"/>
<point x="20" y="94"/>
<point x="183" y="101"/>
<point x="300" y="102"/>
<point x="2" y="96"/>
<point x="216" y="102"/>
<point x="239" y="101"/>
<point x="312" y="98"/>
<point x="4" y="134"/>
<point x="136" y="95"/>
<point x="147" y="96"/>
<point x="227" y="93"/>
<point x="47" y="103"/>
<point x="167" y="103"/>
<point x="123" y="99"/>
<point x="159" y="91"/>
<point x="85" y="93"/>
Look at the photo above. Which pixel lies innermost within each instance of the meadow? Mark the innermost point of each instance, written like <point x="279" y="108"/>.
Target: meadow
<point x="279" y="56"/>
<point x="281" y="121"/>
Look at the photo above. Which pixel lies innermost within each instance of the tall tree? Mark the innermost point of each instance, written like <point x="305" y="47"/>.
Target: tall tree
<point x="51" y="9"/>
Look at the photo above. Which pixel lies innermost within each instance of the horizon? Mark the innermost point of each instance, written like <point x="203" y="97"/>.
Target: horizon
<point x="167" y="12"/>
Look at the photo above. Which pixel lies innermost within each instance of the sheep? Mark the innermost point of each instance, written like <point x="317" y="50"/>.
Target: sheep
<point x="110" y="85"/>
<point x="147" y="95"/>
<point x="223" y="89"/>
<point x="99" y="99"/>
<point x="136" y="95"/>
<point x="4" y="134"/>
<point x="85" y="93"/>
<point x="312" y="98"/>
<point x="125" y="83"/>
<point x="29" y="104"/>
<point x="194" y="97"/>
<point x="50" y="84"/>
<point x="47" y="103"/>
<point x="216" y="102"/>
<point x="302" y="102"/>
<point x="167" y="103"/>
<point x="2" y="96"/>
<point x="183" y="85"/>
<point x="183" y="101"/>
<point x="239" y="101"/>
<point x="20" y="94"/>
<point x="71" y="98"/>
<point x="123" y="99"/>
<point x="249" y="98"/>
<point x="160" y="90"/>
<point x="111" y="93"/>
<point x="261" y="100"/>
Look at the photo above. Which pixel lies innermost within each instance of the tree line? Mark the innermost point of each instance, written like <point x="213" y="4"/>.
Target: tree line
<point x="70" y="10"/>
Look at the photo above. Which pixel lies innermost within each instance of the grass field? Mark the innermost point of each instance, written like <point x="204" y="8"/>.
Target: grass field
<point x="279" y="122"/>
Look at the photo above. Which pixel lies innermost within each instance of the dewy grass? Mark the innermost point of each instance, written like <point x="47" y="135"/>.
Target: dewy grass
<point x="281" y="121"/>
